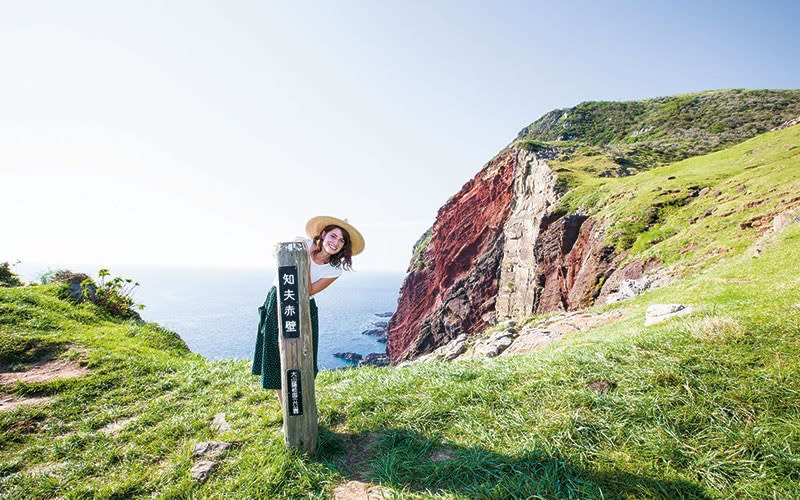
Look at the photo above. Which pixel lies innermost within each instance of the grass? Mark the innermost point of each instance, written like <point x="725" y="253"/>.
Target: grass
<point x="704" y="407"/>
<point x="668" y="213"/>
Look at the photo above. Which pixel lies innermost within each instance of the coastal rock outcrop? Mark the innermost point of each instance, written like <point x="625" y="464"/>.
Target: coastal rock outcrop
<point x="513" y="242"/>
<point x="453" y="288"/>
<point x="499" y="250"/>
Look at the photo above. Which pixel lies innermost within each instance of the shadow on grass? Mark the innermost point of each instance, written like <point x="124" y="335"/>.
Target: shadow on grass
<point x="414" y="463"/>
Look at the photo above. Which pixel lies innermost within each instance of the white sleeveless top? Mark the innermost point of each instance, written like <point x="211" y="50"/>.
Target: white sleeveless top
<point x="318" y="271"/>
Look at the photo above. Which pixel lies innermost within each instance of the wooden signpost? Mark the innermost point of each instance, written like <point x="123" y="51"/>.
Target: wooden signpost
<point x="296" y="349"/>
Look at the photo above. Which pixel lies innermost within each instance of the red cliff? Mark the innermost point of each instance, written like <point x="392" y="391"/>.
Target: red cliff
<point x="455" y="290"/>
<point x="499" y="250"/>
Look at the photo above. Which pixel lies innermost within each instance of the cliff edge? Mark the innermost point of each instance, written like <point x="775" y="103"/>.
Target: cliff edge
<point x="556" y="221"/>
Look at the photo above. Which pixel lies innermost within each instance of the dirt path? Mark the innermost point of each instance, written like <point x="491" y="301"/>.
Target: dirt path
<point x="41" y="371"/>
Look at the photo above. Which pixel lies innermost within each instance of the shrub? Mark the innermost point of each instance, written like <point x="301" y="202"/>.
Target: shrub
<point x="7" y="277"/>
<point x="114" y="295"/>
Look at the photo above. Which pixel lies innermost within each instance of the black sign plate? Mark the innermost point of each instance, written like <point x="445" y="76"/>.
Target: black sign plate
<point x="294" y="392"/>
<point x="289" y="309"/>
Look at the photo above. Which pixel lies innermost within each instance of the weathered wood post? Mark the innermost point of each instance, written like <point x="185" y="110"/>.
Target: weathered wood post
<point x="296" y="348"/>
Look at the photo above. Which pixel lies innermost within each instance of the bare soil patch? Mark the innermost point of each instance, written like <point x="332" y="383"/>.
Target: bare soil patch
<point x="11" y="403"/>
<point x="41" y="371"/>
<point x="117" y="425"/>
<point x="359" y="451"/>
<point x="45" y="468"/>
<point x="44" y="371"/>
<point x="357" y="490"/>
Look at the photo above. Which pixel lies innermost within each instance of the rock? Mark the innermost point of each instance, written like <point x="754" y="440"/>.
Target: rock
<point x="375" y="359"/>
<point x="353" y="357"/>
<point x="630" y="288"/>
<point x="657" y="313"/>
<point x="202" y="470"/>
<point x="442" y="454"/>
<point x="783" y="220"/>
<point x="531" y="338"/>
<point x="601" y="386"/>
<point x="211" y="449"/>
<point x="219" y="424"/>
<point x="381" y="324"/>
<point x="492" y="350"/>
<point x="454" y="348"/>
<point x="375" y="332"/>
<point x="788" y="123"/>
<point x="494" y="345"/>
<point x="549" y="330"/>
<point x="534" y="192"/>
<point x="384" y="314"/>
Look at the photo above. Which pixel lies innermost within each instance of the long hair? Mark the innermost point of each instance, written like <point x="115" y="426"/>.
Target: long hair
<point x="343" y="259"/>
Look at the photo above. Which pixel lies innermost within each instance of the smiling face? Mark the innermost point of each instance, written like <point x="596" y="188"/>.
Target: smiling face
<point x="333" y="241"/>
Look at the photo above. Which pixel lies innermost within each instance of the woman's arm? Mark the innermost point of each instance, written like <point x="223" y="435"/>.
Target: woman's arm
<point x="320" y="285"/>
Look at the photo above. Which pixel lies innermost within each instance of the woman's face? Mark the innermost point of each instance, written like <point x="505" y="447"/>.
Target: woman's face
<point x="333" y="241"/>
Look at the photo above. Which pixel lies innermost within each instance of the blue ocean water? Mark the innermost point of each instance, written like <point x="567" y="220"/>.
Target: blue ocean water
<point x="216" y="311"/>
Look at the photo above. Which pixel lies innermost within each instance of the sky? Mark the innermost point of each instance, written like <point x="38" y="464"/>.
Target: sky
<point x="199" y="134"/>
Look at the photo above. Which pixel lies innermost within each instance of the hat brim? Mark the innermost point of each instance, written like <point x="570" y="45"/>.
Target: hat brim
<point x="315" y="225"/>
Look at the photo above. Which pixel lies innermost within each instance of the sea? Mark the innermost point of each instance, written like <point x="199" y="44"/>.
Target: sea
<point x="215" y="311"/>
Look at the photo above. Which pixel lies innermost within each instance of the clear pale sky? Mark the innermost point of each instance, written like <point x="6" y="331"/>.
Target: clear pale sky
<point x="200" y="133"/>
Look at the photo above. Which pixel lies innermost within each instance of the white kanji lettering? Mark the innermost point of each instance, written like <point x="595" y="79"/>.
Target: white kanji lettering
<point x="289" y="310"/>
<point x="291" y="326"/>
<point x="288" y="279"/>
<point x="288" y="295"/>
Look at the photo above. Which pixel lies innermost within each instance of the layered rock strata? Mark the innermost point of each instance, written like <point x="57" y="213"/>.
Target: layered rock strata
<point x="499" y="250"/>
<point x="454" y="287"/>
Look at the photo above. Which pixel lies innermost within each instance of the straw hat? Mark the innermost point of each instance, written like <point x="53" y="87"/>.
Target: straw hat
<point x="315" y="225"/>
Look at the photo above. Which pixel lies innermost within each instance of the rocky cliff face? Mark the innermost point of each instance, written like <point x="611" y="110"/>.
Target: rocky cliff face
<point x="533" y="196"/>
<point x="495" y="252"/>
<point x="501" y="250"/>
<point x="454" y="288"/>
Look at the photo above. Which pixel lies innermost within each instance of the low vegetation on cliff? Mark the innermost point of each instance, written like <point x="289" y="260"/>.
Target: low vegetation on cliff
<point x="637" y="135"/>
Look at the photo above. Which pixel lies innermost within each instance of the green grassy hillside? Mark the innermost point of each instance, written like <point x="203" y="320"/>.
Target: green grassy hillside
<point x="703" y="406"/>
<point x="637" y="135"/>
<point x="695" y="211"/>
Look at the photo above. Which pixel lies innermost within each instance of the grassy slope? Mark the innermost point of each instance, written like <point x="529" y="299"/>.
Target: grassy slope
<point x="636" y="135"/>
<point x="656" y="213"/>
<point x="705" y="406"/>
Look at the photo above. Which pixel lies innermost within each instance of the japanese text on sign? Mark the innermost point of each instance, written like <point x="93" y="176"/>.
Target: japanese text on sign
<point x="295" y="392"/>
<point x="287" y="293"/>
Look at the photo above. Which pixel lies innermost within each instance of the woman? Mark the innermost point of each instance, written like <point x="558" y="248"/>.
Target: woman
<point x="332" y="245"/>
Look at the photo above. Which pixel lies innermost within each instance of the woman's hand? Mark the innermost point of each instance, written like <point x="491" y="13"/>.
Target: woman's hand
<point x="302" y="240"/>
